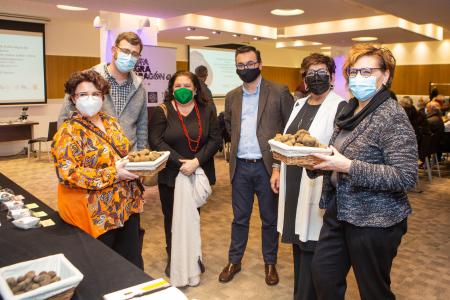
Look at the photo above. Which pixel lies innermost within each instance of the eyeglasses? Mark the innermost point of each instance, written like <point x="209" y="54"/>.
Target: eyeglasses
<point x="365" y="72"/>
<point x="128" y="52"/>
<point x="320" y="72"/>
<point x="248" y="65"/>
<point x="84" y="94"/>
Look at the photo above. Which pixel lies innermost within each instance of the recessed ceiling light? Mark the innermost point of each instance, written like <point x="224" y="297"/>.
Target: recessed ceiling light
<point x="236" y="35"/>
<point x="286" y="12"/>
<point x="255" y="38"/>
<point x="364" y="39"/>
<point x="197" y="37"/>
<point x="216" y="32"/>
<point x="68" y="7"/>
<point x="325" y="48"/>
<point x="190" y="29"/>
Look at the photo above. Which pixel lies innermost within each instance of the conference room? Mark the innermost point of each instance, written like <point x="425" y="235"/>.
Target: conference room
<point x="188" y="116"/>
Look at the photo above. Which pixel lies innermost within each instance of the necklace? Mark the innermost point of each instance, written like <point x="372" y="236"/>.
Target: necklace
<point x="191" y="141"/>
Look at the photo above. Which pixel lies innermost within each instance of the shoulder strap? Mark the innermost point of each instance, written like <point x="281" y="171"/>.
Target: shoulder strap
<point x="100" y="134"/>
<point x="164" y="108"/>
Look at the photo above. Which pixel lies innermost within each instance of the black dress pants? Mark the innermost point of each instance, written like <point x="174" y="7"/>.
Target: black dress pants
<point x="126" y="241"/>
<point x="166" y="195"/>
<point x="303" y="283"/>
<point x="369" y="250"/>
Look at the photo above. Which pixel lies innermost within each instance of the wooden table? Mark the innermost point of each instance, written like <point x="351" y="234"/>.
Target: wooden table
<point x="16" y="131"/>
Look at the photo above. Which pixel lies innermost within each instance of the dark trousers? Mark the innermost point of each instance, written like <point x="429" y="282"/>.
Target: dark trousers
<point x="250" y="179"/>
<point x="303" y="283"/>
<point x="369" y="250"/>
<point x="126" y="241"/>
<point x="166" y="197"/>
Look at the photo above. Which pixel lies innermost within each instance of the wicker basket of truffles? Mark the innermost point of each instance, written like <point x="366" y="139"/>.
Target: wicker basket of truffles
<point x="296" y="149"/>
<point x="146" y="162"/>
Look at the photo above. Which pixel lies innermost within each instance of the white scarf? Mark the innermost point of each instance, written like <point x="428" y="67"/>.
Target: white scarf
<point x="190" y="192"/>
<point x="308" y="220"/>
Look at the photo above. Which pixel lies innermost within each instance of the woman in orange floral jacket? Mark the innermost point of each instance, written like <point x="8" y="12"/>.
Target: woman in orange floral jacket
<point x="95" y="192"/>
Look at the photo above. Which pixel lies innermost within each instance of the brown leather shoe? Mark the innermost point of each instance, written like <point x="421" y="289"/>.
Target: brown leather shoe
<point x="271" y="275"/>
<point x="229" y="271"/>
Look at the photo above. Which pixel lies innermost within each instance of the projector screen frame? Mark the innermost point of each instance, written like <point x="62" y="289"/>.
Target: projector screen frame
<point x="14" y="25"/>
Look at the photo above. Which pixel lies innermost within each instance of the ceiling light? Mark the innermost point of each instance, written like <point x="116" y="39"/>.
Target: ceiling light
<point x="68" y="7"/>
<point x="256" y="38"/>
<point x="197" y="37"/>
<point x="287" y="12"/>
<point x="236" y="35"/>
<point x="216" y="32"/>
<point x="281" y="36"/>
<point x="325" y="48"/>
<point x="364" y="39"/>
<point x="190" y="29"/>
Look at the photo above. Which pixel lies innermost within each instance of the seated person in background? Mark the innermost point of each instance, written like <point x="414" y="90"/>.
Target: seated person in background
<point x="421" y="103"/>
<point x="411" y="112"/>
<point x="95" y="192"/>
<point x="447" y="122"/>
<point x="434" y="118"/>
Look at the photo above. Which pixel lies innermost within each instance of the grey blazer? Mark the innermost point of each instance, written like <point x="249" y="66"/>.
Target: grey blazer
<point x="133" y="118"/>
<point x="274" y="108"/>
<point x="383" y="150"/>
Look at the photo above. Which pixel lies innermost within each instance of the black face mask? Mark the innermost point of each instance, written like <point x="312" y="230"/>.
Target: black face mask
<point x="318" y="84"/>
<point x="248" y="75"/>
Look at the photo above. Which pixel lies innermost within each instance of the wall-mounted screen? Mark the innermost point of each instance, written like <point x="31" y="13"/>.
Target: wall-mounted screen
<point x="22" y="63"/>
<point x="220" y="63"/>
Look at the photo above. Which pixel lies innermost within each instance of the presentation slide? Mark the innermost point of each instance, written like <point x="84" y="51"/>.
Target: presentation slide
<point x="222" y="76"/>
<point x="22" y="73"/>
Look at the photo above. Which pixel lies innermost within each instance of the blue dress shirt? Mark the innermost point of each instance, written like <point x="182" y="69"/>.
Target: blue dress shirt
<point x="248" y="147"/>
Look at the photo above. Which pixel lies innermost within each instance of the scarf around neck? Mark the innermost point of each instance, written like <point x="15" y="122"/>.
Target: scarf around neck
<point x="348" y="120"/>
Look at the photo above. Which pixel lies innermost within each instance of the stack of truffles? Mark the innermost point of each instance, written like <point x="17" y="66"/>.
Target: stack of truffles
<point x="300" y="139"/>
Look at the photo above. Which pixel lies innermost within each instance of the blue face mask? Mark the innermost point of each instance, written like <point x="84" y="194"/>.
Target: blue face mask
<point x="363" y="88"/>
<point x="125" y="63"/>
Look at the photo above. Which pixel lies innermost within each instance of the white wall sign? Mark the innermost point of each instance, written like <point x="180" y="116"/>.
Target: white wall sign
<point x="156" y="66"/>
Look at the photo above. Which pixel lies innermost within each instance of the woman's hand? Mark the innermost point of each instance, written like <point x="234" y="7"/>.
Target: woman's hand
<point x="122" y="173"/>
<point x="336" y="162"/>
<point x="189" y="166"/>
<point x="275" y="180"/>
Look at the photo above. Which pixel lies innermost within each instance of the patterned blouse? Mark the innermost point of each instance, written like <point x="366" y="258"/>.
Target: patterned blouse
<point x="90" y="195"/>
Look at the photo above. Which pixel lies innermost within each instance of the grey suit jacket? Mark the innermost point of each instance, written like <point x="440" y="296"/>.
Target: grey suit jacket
<point x="274" y="108"/>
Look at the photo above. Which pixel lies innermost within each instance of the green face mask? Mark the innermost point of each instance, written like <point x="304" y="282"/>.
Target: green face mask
<point x="183" y="95"/>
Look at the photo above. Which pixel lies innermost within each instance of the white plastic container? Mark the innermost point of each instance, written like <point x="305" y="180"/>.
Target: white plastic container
<point x="296" y="151"/>
<point x="70" y="277"/>
<point x="147" y="165"/>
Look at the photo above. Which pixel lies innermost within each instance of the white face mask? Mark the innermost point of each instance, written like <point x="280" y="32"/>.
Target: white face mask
<point x="89" y="106"/>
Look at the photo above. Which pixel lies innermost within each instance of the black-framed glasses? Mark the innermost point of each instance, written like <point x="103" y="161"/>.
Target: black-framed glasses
<point x="248" y="65"/>
<point x="320" y="72"/>
<point x="84" y="94"/>
<point x="365" y="72"/>
<point x="128" y="52"/>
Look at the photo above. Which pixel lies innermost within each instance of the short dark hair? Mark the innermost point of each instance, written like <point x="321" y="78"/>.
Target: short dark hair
<point x="434" y="92"/>
<point x="201" y="71"/>
<point x="86" y="76"/>
<point x="199" y="97"/>
<point x="131" y="38"/>
<point x="245" y="49"/>
<point x="315" y="59"/>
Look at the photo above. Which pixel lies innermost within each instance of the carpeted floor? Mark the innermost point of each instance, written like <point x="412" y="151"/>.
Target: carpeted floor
<point x="420" y="271"/>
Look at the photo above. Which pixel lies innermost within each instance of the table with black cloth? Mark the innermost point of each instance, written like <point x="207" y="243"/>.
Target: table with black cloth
<point x="104" y="270"/>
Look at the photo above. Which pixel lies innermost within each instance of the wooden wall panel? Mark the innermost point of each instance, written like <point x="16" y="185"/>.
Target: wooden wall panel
<point x="59" y="68"/>
<point x="414" y="79"/>
<point x="182" y="65"/>
<point x="282" y="75"/>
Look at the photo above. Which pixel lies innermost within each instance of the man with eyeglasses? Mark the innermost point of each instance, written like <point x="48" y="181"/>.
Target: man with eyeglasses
<point x="254" y="113"/>
<point x="127" y="99"/>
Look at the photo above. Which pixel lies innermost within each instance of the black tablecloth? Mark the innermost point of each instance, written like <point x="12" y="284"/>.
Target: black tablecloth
<point x="104" y="270"/>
